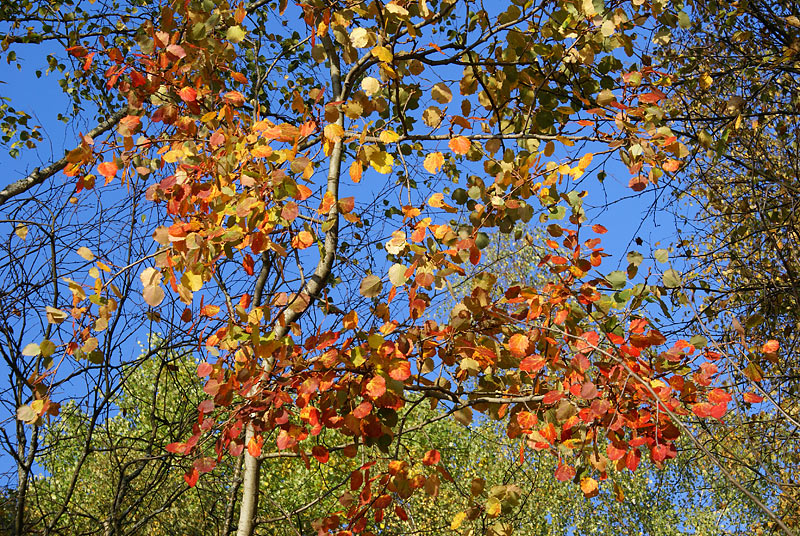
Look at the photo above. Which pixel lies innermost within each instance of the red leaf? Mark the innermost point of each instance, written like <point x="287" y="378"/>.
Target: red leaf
<point x="191" y="477"/>
<point x="565" y="472"/>
<point x="552" y="397"/>
<point x="615" y="453"/>
<point x="188" y="94"/>
<point x="137" y="79"/>
<point x="702" y="409"/>
<point x="401" y="513"/>
<point x="526" y="419"/>
<point x="362" y="410"/>
<point x="399" y="369"/>
<point x="320" y="453"/>
<point x="431" y="457"/>
<point x="532" y="364"/>
<point x="204" y="465"/>
<point x="638" y="183"/>
<point x="176" y="448"/>
<point x="177" y="51"/>
<point x="206" y="406"/>
<point x="632" y="461"/>
<point x="204" y="369"/>
<point x="599" y="229"/>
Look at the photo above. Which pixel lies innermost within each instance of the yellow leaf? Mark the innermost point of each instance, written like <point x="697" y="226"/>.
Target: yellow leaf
<point x="333" y="132"/>
<point x="360" y="38"/>
<point x="706" y="81"/>
<point x="382" y="162"/>
<point x="382" y="53"/>
<point x="458" y="519"/>
<point x="192" y="281"/>
<point x="37" y="406"/>
<point x="389" y="136"/>
<point x="436" y="200"/>
<point x="433" y="162"/>
<point x="86" y="253"/>
<point x="493" y="507"/>
<point x="585" y="161"/>
<point x="370" y="85"/>
<point x="21" y="230"/>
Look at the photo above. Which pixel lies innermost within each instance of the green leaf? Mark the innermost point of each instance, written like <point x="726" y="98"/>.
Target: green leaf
<point x="672" y="278"/>
<point x="617" y="279"/>
<point x="661" y="255"/>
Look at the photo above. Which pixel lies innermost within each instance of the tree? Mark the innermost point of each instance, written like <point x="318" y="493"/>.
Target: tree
<point x="309" y="214"/>
<point x="155" y="500"/>
<point x="737" y="105"/>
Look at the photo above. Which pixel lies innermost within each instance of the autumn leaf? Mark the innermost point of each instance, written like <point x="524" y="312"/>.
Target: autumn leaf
<point x="459" y="145"/>
<point x="107" y="169"/>
<point x="191" y="477"/>
<point x="433" y="162"/>
<point x="188" y="94"/>
<point x="302" y="240"/>
<point x="320" y="453"/>
<point x="770" y="347"/>
<point x="376" y="387"/>
<point x="518" y="344"/>
<point x="589" y="487"/>
<point x="371" y="286"/>
<point x="441" y="93"/>
<point x="431" y="457"/>
<point x="565" y="472"/>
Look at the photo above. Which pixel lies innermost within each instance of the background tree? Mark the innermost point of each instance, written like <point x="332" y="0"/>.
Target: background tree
<point x="736" y="103"/>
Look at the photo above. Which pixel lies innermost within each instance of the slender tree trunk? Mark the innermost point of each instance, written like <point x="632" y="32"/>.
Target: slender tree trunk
<point x="313" y="288"/>
<point x="247" y="512"/>
<point x="23" y="473"/>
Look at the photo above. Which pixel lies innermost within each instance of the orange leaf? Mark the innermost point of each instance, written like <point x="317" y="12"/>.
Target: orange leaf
<point x="460" y="145"/>
<point x="234" y="98"/>
<point x="254" y="446"/>
<point x="599" y="229"/>
<point x="188" y="94"/>
<point x="376" y="387"/>
<point x="302" y="240"/>
<point x="518" y="344"/>
<point x="350" y="320"/>
<point x="431" y="457"/>
<point x="589" y="486"/>
<point x="303" y="192"/>
<point x="356" y="170"/>
<point x="770" y="347"/>
<point x="107" y="169"/>
<point x="433" y="162"/>
<point x="752" y="398"/>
